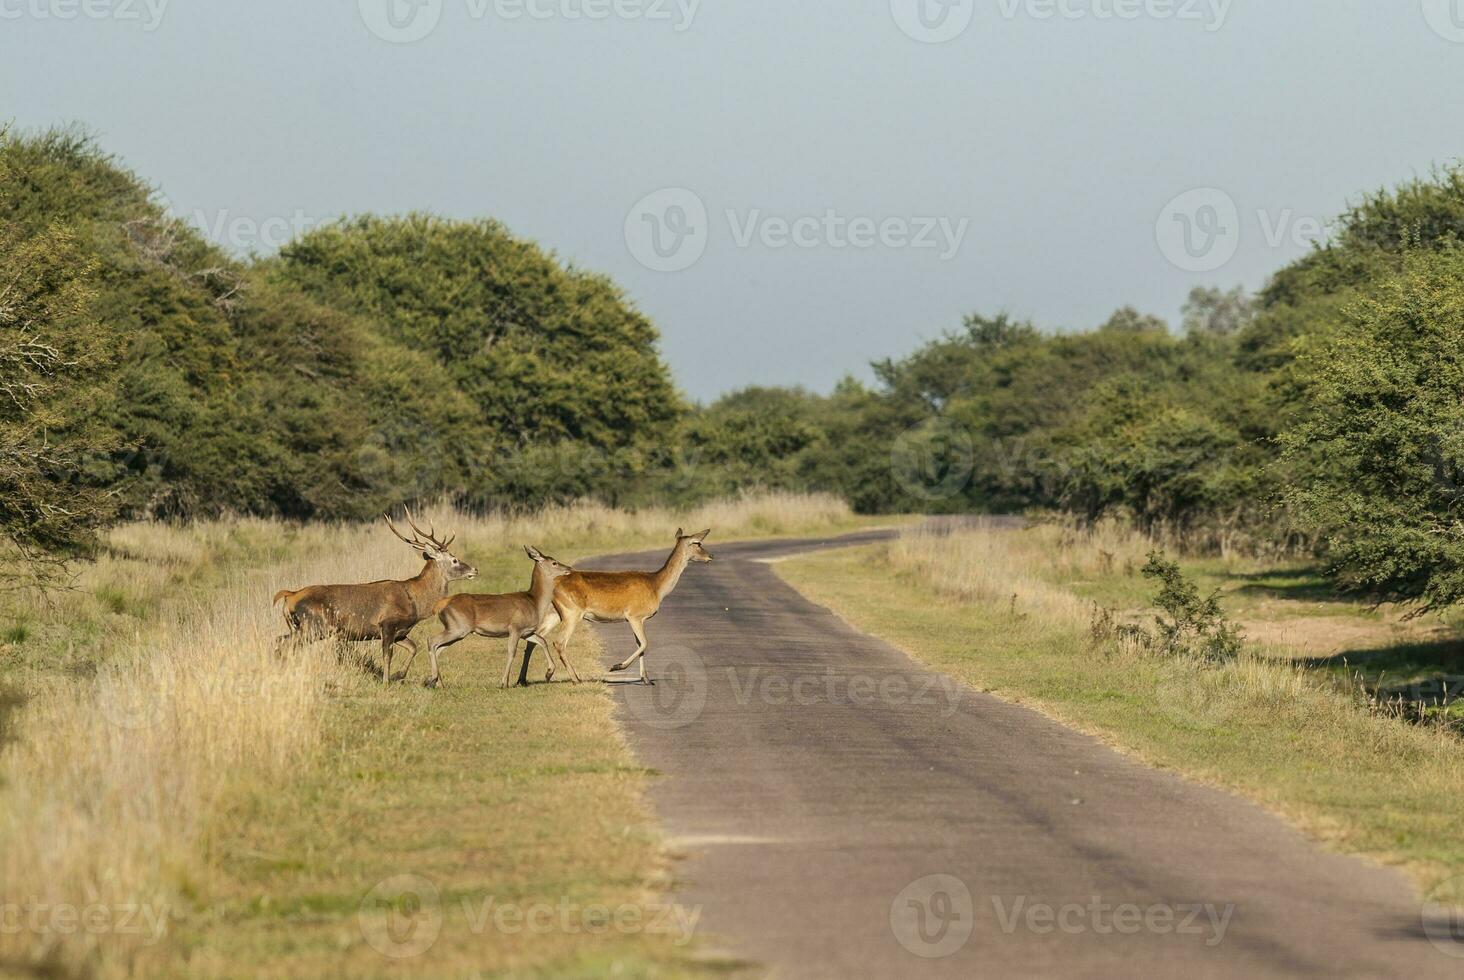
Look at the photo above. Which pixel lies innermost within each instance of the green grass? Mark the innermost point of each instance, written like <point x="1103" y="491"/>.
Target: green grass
<point x="1273" y="732"/>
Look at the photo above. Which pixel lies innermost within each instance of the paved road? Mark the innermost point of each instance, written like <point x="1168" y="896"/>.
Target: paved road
<point x="845" y="812"/>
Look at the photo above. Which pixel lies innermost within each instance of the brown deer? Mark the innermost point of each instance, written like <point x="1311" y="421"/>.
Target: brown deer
<point x="615" y="597"/>
<point x="514" y="616"/>
<point x="384" y="611"/>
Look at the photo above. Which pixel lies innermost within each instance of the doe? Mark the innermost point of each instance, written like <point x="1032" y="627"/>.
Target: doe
<point x="620" y="597"/>
<point x="515" y="616"/>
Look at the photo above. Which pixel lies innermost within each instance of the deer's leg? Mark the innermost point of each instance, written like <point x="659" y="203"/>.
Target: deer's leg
<point x="571" y="623"/>
<point x="412" y="645"/>
<point x="444" y="639"/>
<point x="569" y="665"/>
<point x="302" y="631"/>
<point x="387" y="645"/>
<point x="638" y="627"/>
<point x="513" y="643"/>
<point x="531" y="643"/>
<point x="551" y="620"/>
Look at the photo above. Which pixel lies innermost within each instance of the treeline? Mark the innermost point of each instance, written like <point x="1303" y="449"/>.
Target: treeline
<point x="145" y="372"/>
<point x="1324" y="414"/>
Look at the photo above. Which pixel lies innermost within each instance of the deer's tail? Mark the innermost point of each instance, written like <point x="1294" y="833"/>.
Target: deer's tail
<point x="282" y="594"/>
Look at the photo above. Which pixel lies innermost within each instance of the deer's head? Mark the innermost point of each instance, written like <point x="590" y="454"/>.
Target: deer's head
<point x="691" y="544"/>
<point x="433" y="549"/>
<point x="544" y="565"/>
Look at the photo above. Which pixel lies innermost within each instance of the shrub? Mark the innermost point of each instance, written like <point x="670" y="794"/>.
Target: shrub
<point x="1191" y="624"/>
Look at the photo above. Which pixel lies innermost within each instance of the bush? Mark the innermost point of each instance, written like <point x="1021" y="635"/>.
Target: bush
<point x="1191" y="625"/>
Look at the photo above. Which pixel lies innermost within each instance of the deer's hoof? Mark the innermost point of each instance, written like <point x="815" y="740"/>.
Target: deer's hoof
<point x="432" y="683"/>
<point x="619" y="667"/>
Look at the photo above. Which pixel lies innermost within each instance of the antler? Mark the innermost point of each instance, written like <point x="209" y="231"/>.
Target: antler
<point x="410" y="541"/>
<point x="421" y="540"/>
<point x="431" y="534"/>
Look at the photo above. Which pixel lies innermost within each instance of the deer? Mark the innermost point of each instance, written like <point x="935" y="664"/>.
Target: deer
<point x="515" y="616"/>
<point x="619" y="597"/>
<point x="384" y="611"/>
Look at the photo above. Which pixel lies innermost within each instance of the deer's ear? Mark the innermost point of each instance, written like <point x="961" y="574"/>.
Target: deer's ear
<point x="699" y="538"/>
<point x="679" y="535"/>
<point x="533" y="554"/>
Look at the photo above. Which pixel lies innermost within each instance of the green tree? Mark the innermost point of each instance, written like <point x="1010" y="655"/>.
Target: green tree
<point x="1380" y="453"/>
<point x="548" y="354"/>
<point x="1130" y="320"/>
<point x="377" y="361"/>
<point x="1215" y="311"/>
<point x="54" y="360"/>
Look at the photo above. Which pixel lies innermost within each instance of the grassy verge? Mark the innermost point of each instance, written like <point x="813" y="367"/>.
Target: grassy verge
<point x="1288" y="610"/>
<point x="1010" y="613"/>
<point x="174" y="801"/>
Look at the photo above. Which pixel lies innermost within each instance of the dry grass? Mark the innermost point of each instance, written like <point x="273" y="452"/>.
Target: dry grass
<point x="1019" y="570"/>
<point x="155" y="708"/>
<point x="591" y="525"/>
<point x="116" y="778"/>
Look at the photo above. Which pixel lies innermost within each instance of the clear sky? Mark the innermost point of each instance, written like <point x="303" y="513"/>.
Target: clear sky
<point x="841" y="186"/>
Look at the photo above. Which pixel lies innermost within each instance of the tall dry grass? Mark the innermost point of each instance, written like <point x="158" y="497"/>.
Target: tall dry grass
<point x="128" y="755"/>
<point x="1019" y="569"/>
<point x="588" y="524"/>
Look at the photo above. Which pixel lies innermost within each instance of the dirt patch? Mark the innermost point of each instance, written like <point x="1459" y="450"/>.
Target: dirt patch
<point x="1326" y="636"/>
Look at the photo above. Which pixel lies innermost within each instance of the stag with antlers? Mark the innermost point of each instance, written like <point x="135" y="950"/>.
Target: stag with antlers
<point x="384" y="611"/>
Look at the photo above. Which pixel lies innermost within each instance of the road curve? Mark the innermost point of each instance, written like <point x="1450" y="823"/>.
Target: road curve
<point x="845" y="812"/>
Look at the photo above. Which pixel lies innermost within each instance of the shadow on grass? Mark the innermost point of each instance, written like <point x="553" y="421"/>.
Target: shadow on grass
<point x="11" y="701"/>
<point x="1290" y="585"/>
<point x="1401" y="659"/>
<point x="1419" y="682"/>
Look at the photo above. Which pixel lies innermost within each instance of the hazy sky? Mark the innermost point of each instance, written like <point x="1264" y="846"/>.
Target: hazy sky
<point x="841" y="187"/>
